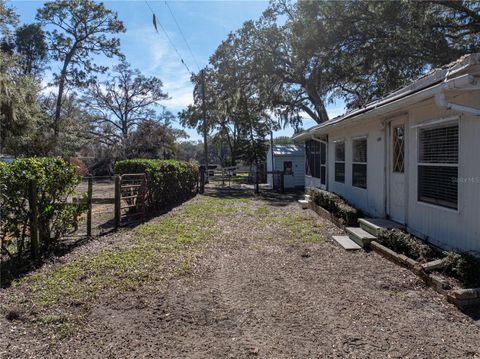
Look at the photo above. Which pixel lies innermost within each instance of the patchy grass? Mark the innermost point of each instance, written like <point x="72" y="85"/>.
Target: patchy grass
<point x="136" y="261"/>
<point x="298" y="228"/>
<point x="84" y="277"/>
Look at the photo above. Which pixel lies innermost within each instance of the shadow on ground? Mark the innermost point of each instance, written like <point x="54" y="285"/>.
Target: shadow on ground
<point x="272" y="197"/>
<point x="15" y="268"/>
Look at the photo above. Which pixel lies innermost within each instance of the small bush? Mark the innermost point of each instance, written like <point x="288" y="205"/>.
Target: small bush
<point x="53" y="180"/>
<point x="168" y="181"/>
<point x="465" y="267"/>
<point x="334" y="204"/>
<point x="405" y="244"/>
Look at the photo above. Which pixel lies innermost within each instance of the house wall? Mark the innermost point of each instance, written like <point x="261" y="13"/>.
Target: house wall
<point x="372" y="199"/>
<point x="313" y="182"/>
<point x="451" y="229"/>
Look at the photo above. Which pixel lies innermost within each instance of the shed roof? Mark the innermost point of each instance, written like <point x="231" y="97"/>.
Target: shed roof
<point x="429" y="80"/>
<point x="288" y="150"/>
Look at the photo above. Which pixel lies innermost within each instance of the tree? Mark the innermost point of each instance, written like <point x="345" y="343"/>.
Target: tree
<point x="122" y="102"/>
<point x="283" y="140"/>
<point x="31" y="46"/>
<point x="19" y="111"/>
<point x="81" y="29"/>
<point x="152" y="139"/>
<point x="8" y="21"/>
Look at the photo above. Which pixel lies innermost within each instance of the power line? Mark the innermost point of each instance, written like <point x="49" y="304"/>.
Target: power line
<point x="183" y="35"/>
<point x="155" y="21"/>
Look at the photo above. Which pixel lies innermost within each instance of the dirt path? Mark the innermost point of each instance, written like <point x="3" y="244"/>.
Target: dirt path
<point x="258" y="293"/>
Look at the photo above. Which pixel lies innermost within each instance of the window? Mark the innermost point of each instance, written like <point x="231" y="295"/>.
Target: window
<point x="311" y="150"/>
<point x="359" y="163"/>
<point x="316" y="161"/>
<point x="398" y="142"/>
<point x="438" y="166"/>
<point x="340" y="161"/>
<point x="288" y="167"/>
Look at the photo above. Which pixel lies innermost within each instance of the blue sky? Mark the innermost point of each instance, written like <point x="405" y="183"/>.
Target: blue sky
<point x="204" y="23"/>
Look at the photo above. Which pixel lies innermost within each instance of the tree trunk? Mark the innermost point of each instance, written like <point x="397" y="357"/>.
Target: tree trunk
<point x="61" y="89"/>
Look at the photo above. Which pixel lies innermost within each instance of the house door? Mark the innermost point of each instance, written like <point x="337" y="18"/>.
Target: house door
<point x="397" y="146"/>
<point x="288" y="177"/>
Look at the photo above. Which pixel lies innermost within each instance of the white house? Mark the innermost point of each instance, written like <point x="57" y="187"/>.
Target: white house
<point x="291" y="160"/>
<point x="413" y="156"/>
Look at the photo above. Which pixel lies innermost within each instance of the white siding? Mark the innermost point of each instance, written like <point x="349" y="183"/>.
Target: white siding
<point x="298" y="162"/>
<point x="445" y="227"/>
<point x="313" y="182"/>
<point x="269" y="166"/>
<point x="372" y="199"/>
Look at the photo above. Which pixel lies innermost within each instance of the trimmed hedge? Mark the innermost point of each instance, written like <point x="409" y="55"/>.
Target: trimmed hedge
<point x="335" y="205"/>
<point x="168" y="181"/>
<point x="465" y="267"/>
<point x="406" y="244"/>
<point x="53" y="180"/>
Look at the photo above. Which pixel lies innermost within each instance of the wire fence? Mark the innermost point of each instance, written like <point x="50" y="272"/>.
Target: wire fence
<point x="102" y="206"/>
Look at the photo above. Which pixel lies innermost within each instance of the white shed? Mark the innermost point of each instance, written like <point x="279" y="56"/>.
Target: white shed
<point x="291" y="160"/>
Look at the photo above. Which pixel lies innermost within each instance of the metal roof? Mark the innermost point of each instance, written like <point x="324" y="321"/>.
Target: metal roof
<point x="288" y="150"/>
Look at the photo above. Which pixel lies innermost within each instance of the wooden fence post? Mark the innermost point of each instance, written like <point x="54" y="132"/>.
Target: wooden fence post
<point x="33" y="219"/>
<point x="282" y="182"/>
<point x="202" y="181"/>
<point x="117" y="201"/>
<point x="89" y="206"/>
<point x="257" y="184"/>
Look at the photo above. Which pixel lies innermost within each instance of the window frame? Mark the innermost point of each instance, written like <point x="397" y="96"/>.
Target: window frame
<point x="323" y="166"/>
<point x="456" y="165"/>
<point x="313" y="160"/>
<point x="357" y="163"/>
<point x="339" y="162"/>
<point x="396" y="156"/>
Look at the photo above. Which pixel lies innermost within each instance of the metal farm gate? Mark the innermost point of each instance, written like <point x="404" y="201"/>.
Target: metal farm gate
<point x="130" y="197"/>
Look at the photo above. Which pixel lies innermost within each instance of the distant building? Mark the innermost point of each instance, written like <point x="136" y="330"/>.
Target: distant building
<point x="291" y="160"/>
<point x="6" y="158"/>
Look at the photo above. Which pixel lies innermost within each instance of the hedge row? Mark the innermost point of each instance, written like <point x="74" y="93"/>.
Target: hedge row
<point x="52" y="180"/>
<point x="335" y="205"/>
<point x="406" y="244"/>
<point x="168" y="181"/>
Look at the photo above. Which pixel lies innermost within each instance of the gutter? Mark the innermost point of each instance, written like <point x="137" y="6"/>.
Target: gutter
<point x="465" y="82"/>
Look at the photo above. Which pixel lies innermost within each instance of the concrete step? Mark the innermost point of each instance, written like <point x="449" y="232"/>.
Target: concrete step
<point x="360" y="236"/>
<point x="373" y="225"/>
<point x="303" y="203"/>
<point x="346" y="243"/>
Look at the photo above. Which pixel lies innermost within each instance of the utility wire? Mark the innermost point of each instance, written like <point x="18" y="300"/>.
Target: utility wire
<point x="155" y="21"/>
<point x="183" y="35"/>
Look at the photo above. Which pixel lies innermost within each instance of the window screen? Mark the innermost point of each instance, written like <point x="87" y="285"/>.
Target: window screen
<point x="316" y="161"/>
<point x="438" y="166"/>
<point x="359" y="163"/>
<point x="340" y="161"/>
